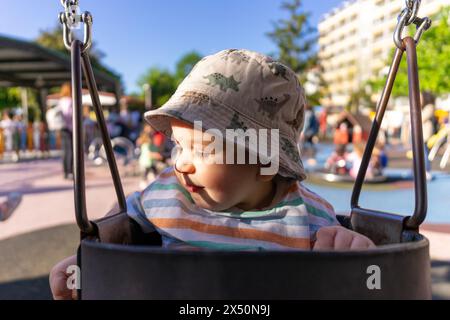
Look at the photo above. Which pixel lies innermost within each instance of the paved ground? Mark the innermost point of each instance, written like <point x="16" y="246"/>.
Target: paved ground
<point x="48" y="198"/>
<point x="42" y="230"/>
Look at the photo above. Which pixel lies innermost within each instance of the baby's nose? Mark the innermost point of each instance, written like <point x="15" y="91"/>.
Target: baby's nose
<point x="184" y="165"/>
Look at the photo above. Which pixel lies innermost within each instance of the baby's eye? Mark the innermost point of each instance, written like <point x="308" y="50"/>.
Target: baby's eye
<point x="201" y="153"/>
<point x="176" y="151"/>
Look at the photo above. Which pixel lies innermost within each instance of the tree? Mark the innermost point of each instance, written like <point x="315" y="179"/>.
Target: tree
<point x="163" y="82"/>
<point x="433" y="54"/>
<point x="296" y="40"/>
<point x="9" y="97"/>
<point x="186" y="64"/>
<point x="360" y="98"/>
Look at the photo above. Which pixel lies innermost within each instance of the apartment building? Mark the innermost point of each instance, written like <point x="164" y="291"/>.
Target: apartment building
<point x="355" y="40"/>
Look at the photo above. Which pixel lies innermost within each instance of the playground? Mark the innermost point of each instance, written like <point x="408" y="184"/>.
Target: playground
<point x="118" y="187"/>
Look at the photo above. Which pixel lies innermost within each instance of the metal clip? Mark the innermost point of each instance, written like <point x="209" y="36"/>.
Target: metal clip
<point x="422" y="25"/>
<point x="68" y="26"/>
<point x="72" y="9"/>
<point x="407" y="17"/>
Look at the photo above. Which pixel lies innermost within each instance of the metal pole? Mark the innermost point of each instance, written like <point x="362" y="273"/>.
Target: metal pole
<point x="148" y="96"/>
<point x="420" y="184"/>
<point x="78" y="146"/>
<point x="24" y="102"/>
<point x="381" y="108"/>
<point x="90" y="80"/>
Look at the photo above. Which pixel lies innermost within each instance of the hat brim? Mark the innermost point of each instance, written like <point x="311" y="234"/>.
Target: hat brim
<point x="218" y="117"/>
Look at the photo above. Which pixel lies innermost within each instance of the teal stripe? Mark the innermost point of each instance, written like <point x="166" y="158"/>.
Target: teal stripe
<point x="318" y="213"/>
<point x="221" y="246"/>
<point x="256" y="214"/>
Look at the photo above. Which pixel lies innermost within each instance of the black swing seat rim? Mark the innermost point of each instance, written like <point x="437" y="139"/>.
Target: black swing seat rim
<point x="419" y="242"/>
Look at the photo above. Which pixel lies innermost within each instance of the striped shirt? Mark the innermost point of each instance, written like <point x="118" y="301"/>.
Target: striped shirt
<point x="289" y="224"/>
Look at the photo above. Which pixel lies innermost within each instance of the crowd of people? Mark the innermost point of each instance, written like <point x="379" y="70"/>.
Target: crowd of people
<point x="152" y="149"/>
<point x="19" y="138"/>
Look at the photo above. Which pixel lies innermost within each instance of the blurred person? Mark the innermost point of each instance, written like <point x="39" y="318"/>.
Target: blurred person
<point x="2" y="143"/>
<point x="355" y="158"/>
<point x="323" y="126"/>
<point x="341" y="135"/>
<point x="148" y="156"/>
<point x="7" y="125"/>
<point x="428" y="100"/>
<point x="22" y="128"/>
<point x="311" y="128"/>
<point x="379" y="158"/>
<point x="65" y="106"/>
<point x="337" y="162"/>
<point x="89" y="128"/>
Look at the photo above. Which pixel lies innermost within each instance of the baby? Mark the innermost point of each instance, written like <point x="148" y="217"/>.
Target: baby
<point x="236" y="179"/>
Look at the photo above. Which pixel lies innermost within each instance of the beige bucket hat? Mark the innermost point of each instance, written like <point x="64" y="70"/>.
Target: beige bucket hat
<point x="241" y="89"/>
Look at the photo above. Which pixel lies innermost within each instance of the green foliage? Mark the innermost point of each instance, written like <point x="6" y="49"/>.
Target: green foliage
<point x="360" y="98"/>
<point x="9" y="98"/>
<point x="186" y="64"/>
<point x="296" y="40"/>
<point x="163" y="82"/>
<point x="293" y="37"/>
<point x="433" y="54"/>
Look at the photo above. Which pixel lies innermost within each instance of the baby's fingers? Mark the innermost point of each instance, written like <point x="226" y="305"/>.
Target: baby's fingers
<point x="360" y="243"/>
<point x="58" y="280"/>
<point x="325" y="239"/>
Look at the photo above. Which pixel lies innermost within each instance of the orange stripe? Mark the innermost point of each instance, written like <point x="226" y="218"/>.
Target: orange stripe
<point x="301" y="243"/>
<point x="312" y="196"/>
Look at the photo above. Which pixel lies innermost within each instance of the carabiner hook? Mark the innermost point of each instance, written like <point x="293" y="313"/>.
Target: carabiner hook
<point x="408" y="16"/>
<point x="87" y="19"/>
<point x="422" y="25"/>
<point x="402" y="19"/>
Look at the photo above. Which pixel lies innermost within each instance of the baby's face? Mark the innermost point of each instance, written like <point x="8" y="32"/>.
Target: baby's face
<point x="216" y="186"/>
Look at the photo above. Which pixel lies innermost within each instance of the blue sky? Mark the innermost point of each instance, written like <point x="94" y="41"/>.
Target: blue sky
<point x="138" y="34"/>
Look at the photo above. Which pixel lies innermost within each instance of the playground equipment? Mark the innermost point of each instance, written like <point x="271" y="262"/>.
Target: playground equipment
<point x="442" y="140"/>
<point x="123" y="149"/>
<point x="119" y="261"/>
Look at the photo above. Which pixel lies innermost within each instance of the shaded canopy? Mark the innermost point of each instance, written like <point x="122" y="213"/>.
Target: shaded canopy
<point x="28" y="64"/>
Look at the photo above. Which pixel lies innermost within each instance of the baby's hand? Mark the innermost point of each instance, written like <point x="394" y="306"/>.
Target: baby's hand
<point x="58" y="280"/>
<point x="340" y="238"/>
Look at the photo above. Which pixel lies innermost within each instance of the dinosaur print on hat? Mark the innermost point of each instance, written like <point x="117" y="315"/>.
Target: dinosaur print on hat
<point x="218" y="79"/>
<point x="271" y="106"/>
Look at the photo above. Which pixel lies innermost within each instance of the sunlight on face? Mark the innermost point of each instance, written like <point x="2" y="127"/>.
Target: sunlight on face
<point x="216" y="186"/>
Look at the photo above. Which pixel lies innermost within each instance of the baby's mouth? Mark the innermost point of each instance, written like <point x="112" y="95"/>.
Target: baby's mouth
<point x="192" y="187"/>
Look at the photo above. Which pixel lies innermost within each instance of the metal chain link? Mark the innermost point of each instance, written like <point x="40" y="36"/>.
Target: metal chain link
<point x="409" y="16"/>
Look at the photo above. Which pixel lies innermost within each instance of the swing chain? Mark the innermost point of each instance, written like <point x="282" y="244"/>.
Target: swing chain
<point x="409" y="16"/>
<point x="71" y="19"/>
<point x="413" y="9"/>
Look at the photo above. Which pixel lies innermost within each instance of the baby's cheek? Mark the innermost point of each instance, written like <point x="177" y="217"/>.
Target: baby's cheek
<point x="225" y="183"/>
